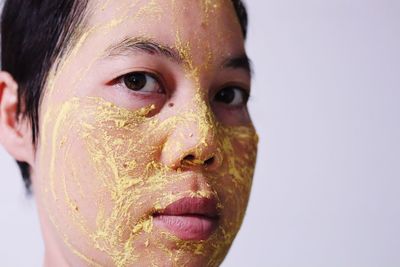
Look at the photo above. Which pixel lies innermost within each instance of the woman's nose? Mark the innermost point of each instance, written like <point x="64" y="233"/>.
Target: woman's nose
<point x="209" y="160"/>
<point x="193" y="143"/>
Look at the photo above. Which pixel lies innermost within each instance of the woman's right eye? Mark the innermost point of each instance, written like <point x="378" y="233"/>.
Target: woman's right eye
<point x="141" y="82"/>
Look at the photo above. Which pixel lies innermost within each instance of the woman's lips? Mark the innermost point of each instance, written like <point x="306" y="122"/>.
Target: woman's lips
<point x="189" y="218"/>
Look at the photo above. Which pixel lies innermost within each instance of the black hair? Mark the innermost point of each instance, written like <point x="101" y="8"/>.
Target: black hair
<point x="34" y="33"/>
<point x="241" y="12"/>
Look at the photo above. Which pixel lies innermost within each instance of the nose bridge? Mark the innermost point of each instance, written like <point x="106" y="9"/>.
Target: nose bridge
<point x="204" y="123"/>
<point x="194" y="139"/>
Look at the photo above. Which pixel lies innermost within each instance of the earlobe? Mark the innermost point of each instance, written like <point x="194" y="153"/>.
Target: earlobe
<point x="15" y="132"/>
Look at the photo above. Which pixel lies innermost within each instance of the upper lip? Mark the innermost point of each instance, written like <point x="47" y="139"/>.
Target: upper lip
<point x="192" y="206"/>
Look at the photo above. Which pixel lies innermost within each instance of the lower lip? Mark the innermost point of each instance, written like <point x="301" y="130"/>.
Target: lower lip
<point x="187" y="227"/>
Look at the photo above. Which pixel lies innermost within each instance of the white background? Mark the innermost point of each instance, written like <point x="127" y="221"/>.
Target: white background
<point x="326" y="104"/>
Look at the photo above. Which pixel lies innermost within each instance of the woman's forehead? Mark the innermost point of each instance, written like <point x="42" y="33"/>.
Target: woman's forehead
<point x="203" y="9"/>
<point x="170" y="21"/>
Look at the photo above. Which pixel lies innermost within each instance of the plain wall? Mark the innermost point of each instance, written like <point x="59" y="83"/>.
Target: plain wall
<point x="326" y="105"/>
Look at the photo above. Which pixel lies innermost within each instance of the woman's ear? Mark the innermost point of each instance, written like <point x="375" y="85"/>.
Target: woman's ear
<point x="15" y="132"/>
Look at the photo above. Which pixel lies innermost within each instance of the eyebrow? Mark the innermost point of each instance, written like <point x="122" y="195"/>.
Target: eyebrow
<point x="239" y="62"/>
<point x="151" y="47"/>
<point x="140" y="44"/>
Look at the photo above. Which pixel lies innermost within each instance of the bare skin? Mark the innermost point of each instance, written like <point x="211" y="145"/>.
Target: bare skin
<point x="147" y="108"/>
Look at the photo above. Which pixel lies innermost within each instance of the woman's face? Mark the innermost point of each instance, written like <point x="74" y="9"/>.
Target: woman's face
<point x="146" y="150"/>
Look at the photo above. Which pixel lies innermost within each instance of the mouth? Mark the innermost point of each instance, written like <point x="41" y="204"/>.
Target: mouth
<point x="189" y="218"/>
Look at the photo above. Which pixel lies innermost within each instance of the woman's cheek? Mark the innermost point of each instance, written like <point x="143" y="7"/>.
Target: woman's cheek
<point x="96" y="156"/>
<point x="233" y="180"/>
<point x="68" y="188"/>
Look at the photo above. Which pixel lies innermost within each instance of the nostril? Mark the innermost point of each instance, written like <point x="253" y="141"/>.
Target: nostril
<point x="188" y="158"/>
<point x="209" y="162"/>
<point x="192" y="160"/>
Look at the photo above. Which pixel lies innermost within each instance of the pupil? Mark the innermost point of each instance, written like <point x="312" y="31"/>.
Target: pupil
<point x="135" y="81"/>
<point x="225" y="95"/>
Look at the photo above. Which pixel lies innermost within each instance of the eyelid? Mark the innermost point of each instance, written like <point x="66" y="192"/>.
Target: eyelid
<point x="241" y="86"/>
<point x="237" y="84"/>
<point x="153" y="74"/>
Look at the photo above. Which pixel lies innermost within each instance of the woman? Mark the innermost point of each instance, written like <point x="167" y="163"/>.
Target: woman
<point x="130" y="119"/>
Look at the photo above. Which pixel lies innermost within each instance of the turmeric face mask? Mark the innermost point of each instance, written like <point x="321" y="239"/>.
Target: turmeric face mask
<point x="147" y="151"/>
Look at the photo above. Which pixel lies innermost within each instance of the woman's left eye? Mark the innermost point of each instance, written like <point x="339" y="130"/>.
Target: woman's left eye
<point x="232" y="96"/>
<point x="141" y="82"/>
